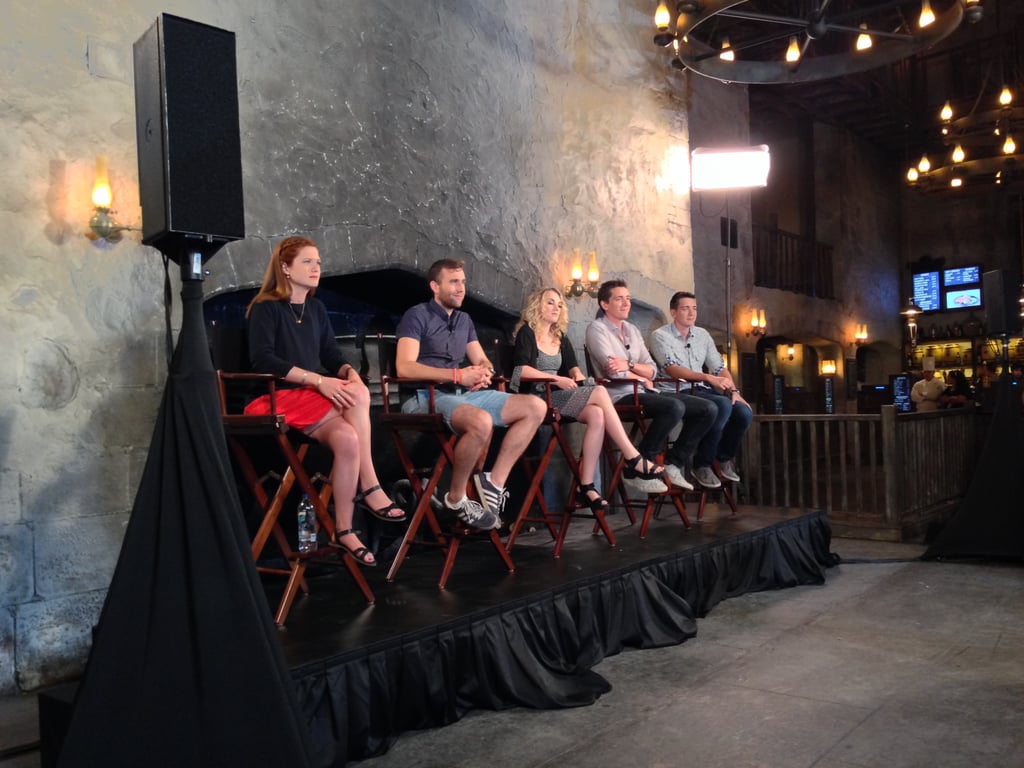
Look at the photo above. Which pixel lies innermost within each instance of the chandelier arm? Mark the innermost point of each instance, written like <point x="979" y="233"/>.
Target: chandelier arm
<point x="732" y="13"/>
<point x="742" y="47"/>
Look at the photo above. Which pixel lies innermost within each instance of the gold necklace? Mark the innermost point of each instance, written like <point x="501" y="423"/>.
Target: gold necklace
<point x="298" y="317"/>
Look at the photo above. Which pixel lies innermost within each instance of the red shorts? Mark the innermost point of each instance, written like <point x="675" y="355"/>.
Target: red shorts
<point x="302" y="408"/>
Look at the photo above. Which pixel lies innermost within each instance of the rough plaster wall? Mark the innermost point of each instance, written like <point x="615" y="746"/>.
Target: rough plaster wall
<point x="506" y="133"/>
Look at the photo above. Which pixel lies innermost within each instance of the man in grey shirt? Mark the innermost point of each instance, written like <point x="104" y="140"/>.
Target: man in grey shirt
<point x="689" y="362"/>
<point x="617" y="352"/>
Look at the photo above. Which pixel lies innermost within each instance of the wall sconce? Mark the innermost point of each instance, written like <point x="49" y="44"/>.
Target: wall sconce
<point x="578" y="286"/>
<point x="102" y="225"/>
<point x="911" y="311"/>
<point x="860" y="336"/>
<point x="758" y="324"/>
<point x="828" y="367"/>
<point x="790" y="352"/>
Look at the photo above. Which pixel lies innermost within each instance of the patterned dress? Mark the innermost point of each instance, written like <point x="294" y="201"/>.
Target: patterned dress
<point x="569" y="402"/>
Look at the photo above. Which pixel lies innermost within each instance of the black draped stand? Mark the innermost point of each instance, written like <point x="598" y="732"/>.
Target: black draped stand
<point x="520" y="648"/>
<point x="989" y="523"/>
<point x="186" y="668"/>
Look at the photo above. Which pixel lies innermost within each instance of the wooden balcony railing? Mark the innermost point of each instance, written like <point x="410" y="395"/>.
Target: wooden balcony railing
<point x="790" y="262"/>
<point x="889" y="475"/>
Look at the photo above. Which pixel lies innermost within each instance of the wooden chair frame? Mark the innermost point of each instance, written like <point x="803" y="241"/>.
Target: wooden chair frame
<point x="535" y="472"/>
<point x="238" y="429"/>
<point x="703" y="493"/>
<point x="631" y="412"/>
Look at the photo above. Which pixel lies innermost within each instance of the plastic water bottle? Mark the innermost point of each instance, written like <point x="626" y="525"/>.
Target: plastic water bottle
<point x="307" y="525"/>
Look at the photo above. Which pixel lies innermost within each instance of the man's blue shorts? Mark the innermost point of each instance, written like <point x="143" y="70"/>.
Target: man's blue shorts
<point x="445" y="403"/>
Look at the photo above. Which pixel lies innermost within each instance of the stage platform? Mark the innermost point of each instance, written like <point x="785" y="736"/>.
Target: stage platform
<point x="421" y="657"/>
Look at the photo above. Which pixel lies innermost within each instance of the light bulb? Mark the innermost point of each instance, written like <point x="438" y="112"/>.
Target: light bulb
<point x="727" y="53"/>
<point x="793" y="51"/>
<point x="577" y="265"/>
<point x="101" y="194"/>
<point x="593" y="274"/>
<point x="956" y="181"/>
<point x="1005" y="96"/>
<point x="863" y="39"/>
<point x="912" y="174"/>
<point x="924" y="165"/>
<point x="662" y="18"/>
<point x="958" y="154"/>
<point x="927" y="16"/>
<point x="947" y="113"/>
<point x="1009" y="147"/>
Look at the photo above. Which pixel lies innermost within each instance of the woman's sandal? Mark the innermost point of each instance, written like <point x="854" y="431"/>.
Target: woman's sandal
<point x="650" y="471"/>
<point x="359" y="553"/>
<point x="384" y="513"/>
<point x="600" y="504"/>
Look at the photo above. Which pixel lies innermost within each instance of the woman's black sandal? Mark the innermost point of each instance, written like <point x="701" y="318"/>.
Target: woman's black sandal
<point x="632" y="469"/>
<point x="359" y="553"/>
<point x="600" y="504"/>
<point x="384" y="513"/>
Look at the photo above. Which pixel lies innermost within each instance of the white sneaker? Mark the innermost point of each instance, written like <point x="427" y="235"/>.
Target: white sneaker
<point x="706" y="477"/>
<point x="727" y="470"/>
<point x="677" y="478"/>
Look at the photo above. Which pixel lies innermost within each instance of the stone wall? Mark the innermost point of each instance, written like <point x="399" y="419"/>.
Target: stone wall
<point x="504" y="132"/>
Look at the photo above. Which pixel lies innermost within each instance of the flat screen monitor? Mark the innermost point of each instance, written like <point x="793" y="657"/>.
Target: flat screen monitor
<point x="901" y="385"/>
<point x="951" y="278"/>
<point x="926" y="291"/>
<point x="963" y="298"/>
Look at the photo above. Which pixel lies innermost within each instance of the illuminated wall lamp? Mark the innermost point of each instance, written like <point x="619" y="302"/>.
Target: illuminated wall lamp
<point x="790" y="352"/>
<point x="102" y="225"/>
<point x="758" y="324"/>
<point x="860" y="336"/>
<point x="579" y="286"/>
<point x="828" y="367"/>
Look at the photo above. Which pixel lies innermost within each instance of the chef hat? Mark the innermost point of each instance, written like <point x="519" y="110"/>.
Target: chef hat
<point x="929" y="364"/>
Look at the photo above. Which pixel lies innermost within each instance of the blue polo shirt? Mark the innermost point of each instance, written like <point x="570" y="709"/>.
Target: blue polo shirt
<point x="443" y="338"/>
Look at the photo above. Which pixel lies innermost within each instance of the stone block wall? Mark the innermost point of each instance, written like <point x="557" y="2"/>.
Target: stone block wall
<point x="504" y="132"/>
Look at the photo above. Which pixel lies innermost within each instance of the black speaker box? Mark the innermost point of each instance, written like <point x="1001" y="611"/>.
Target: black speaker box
<point x="999" y="298"/>
<point x="186" y="120"/>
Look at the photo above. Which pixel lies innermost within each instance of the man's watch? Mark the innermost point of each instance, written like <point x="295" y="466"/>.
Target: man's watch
<point x="632" y="365"/>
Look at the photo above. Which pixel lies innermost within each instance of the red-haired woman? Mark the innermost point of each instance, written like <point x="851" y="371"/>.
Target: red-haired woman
<point x="290" y="336"/>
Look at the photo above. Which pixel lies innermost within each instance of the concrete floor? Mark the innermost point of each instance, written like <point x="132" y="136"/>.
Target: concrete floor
<point x="892" y="663"/>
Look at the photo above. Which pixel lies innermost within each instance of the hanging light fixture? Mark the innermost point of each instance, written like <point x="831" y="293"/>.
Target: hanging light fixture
<point x="910" y="311"/>
<point x="981" y="146"/>
<point x="768" y="38"/>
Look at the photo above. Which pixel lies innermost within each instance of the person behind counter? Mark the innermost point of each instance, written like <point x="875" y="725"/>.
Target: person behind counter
<point x="928" y="390"/>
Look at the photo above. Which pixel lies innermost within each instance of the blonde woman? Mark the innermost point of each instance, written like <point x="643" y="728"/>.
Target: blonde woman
<point x="542" y="351"/>
<point x="290" y="336"/>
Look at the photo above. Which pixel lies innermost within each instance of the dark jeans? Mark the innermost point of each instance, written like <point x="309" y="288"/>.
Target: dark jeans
<point x="664" y="411"/>
<point x="723" y="439"/>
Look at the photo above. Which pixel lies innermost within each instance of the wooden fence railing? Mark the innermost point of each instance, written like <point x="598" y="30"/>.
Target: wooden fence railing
<point x="889" y="474"/>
